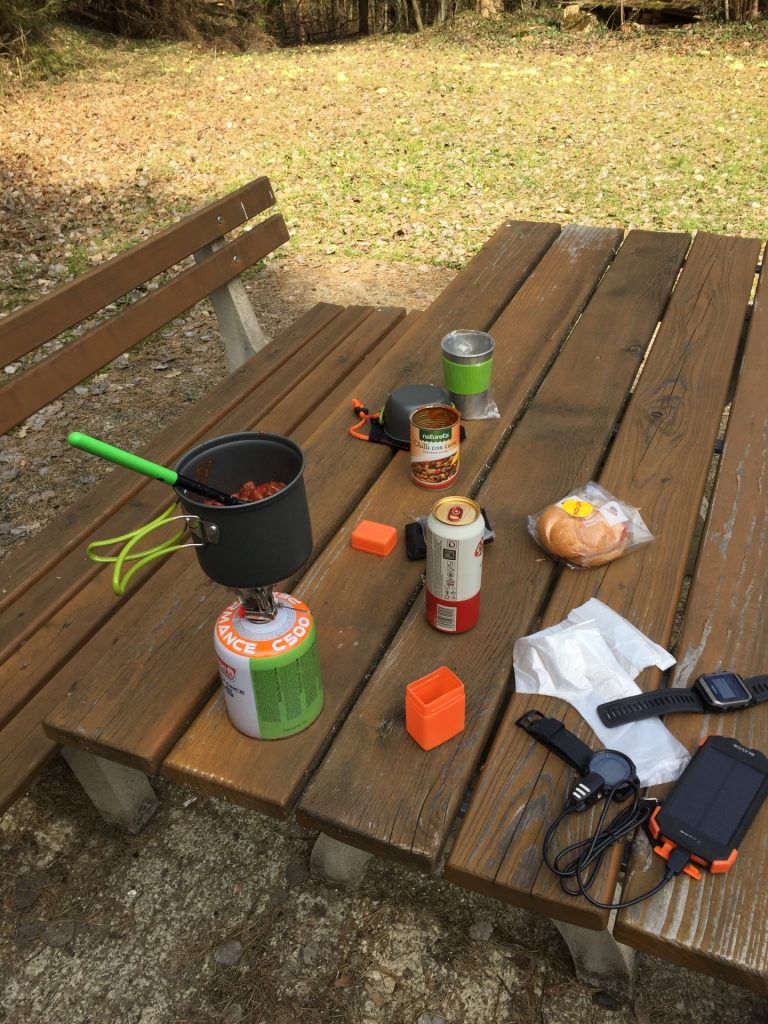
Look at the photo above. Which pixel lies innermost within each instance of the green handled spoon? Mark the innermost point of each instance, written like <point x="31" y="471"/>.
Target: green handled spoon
<point x="93" y="446"/>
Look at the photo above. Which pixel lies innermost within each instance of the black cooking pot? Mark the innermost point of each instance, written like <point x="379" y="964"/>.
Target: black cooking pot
<point x="259" y="543"/>
<point x="395" y="417"/>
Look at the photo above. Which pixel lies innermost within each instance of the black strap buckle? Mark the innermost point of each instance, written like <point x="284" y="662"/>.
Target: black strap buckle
<point x="552" y="734"/>
<point x="526" y="721"/>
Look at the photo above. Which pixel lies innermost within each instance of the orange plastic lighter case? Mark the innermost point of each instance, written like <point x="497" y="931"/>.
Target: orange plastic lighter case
<point x="434" y="708"/>
<point x="376" y="538"/>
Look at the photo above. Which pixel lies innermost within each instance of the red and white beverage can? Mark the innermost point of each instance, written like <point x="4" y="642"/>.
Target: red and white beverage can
<point x="454" y="564"/>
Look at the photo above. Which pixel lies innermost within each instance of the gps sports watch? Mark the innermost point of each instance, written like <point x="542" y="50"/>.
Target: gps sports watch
<point x="719" y="691"/>
<point x="603" y="770"/>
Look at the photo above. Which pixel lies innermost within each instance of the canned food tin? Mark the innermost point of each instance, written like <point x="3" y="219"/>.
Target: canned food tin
<point x="435" y="431"/>
<point x="270" y="671"/>
<point x="454" y="564"/>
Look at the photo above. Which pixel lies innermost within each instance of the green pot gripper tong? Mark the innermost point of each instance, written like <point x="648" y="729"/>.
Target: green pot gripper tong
<point x="129" y="540"/>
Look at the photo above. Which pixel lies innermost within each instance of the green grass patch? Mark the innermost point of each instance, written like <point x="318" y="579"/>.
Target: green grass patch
<point x="407" y="148"/>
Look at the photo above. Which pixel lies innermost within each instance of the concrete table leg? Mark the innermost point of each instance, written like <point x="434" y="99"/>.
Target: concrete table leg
<point x="122" y="796"/>
<point x="599" y="959"/>
<point x="338" y="863"/>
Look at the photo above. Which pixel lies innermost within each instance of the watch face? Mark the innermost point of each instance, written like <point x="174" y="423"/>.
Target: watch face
<point x="613" y="766"/>
<point x="724" y="689"/>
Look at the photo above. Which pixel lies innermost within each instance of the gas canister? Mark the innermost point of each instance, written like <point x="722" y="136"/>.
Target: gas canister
<point x="270" y="671"/>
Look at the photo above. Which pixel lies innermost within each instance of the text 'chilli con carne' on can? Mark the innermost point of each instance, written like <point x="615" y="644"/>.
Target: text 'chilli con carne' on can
<point x="435" y="433"/>
<point x="454" y="538"/>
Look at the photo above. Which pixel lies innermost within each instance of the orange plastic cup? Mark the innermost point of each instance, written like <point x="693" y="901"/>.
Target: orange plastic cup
<point x="434" y="708"/>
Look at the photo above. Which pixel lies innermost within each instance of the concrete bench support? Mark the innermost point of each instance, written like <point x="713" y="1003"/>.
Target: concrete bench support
<point x="241" y="332"/>
<point x="122" y="796"/>
<point x="337" y="863"/>
<point x="599" y="959"/>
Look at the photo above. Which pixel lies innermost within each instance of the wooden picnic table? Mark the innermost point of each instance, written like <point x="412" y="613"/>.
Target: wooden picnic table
<point x="616" y="359"/>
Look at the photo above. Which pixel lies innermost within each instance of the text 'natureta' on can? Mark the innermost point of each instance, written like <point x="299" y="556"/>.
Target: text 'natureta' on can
<point x="454" y="537"/>
<point x="435" y="435"/>
<point x="270" y="671"/>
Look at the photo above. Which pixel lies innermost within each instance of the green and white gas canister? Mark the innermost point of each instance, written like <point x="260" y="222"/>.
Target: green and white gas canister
<point x="270" y="671"/>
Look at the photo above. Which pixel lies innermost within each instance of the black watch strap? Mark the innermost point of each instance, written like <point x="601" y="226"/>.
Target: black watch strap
<point x="649" y="705"/>
<point x="553" y="734"/>
<point x="669" y="702"/>
<point x="758" y="687"/>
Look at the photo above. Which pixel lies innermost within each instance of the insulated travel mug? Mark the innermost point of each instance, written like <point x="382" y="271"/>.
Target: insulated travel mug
<point x="467" y="365"/>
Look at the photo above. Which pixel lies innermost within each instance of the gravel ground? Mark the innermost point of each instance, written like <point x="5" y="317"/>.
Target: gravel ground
<point x="210" y="916"/>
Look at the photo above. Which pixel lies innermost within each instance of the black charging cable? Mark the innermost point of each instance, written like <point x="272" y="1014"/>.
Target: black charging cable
<point x="581" y="860"/>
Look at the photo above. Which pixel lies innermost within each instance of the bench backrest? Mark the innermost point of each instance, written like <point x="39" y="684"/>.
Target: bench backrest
<point x="41" y="321"/>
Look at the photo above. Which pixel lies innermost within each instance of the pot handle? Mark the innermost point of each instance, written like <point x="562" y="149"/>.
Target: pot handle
<point x="130" y="540"/>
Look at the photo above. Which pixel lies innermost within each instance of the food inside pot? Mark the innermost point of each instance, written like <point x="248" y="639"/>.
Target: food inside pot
<point x="251" y="491"/>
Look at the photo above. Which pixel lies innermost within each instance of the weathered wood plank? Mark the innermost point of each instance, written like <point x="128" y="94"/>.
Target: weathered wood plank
<point x="718" y="925"/>
<point x="24" y="747"/>
<point x="404" y="801"/>
<point x="659" y="463"/>
<point x="26" y="328"/>
<point x="688" y="10"/>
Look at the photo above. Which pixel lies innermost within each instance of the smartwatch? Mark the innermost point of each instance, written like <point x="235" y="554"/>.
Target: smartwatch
<point x="718" y="691"/>
<point x="603" y="770"/>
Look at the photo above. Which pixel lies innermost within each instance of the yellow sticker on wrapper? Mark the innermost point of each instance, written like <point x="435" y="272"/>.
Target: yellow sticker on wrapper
<point x="576" y="508"/>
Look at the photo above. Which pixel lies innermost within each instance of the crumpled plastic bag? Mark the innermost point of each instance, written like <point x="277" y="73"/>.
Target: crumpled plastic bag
<point x="592" y="656"/>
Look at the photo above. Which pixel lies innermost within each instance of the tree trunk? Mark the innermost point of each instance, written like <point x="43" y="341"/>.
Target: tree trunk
<point x="362" y="18"/>
<point x="417" y="15"/>
<point x="490" y="8"/>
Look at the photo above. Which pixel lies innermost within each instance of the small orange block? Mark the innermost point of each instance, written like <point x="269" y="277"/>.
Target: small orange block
<point x="434" y="707"/>
<point x="376" y="538"/>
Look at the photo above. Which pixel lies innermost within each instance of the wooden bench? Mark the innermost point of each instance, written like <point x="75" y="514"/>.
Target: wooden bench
<point x="52" y="600"/>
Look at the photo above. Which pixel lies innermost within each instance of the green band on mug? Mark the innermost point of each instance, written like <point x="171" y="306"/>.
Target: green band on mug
<point x="467" y="378"/>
